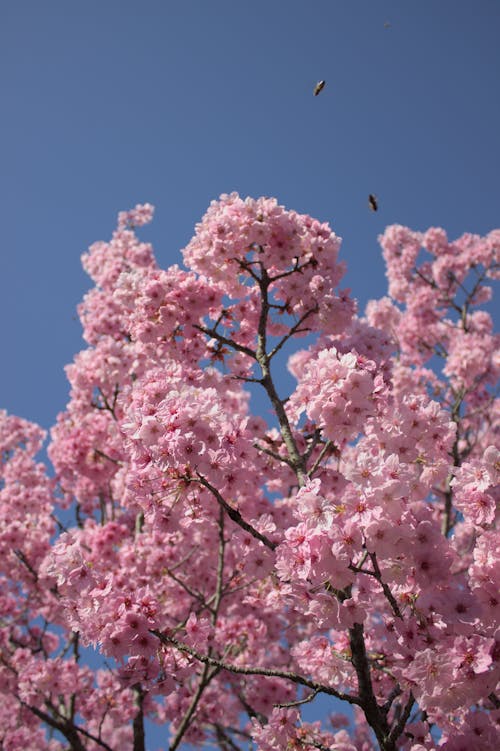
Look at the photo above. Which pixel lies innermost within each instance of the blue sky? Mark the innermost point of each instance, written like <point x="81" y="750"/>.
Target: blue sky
<point x="107" y="103"/>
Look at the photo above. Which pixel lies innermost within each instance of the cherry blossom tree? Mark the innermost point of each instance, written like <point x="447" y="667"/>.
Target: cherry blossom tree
<point x="231" y="571"/>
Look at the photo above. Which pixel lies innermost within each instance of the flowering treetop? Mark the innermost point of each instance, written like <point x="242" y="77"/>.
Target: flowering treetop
<point x="231" y="571"/>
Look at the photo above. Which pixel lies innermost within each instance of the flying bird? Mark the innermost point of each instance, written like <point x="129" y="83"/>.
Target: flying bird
<point x="387" y="25"/>
<point x="372" y="202"/>
<point x="319" y="87"/>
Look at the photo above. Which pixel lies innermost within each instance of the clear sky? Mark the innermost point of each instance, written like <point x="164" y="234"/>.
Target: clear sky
<point x="106" y="103"/>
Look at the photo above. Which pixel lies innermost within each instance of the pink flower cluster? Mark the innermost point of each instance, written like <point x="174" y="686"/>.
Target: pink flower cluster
<point x="230" y="569"/>
<point x="142" y="214"/>
<point x="472" y="481"/>
<point x="238" y="239"/>
<point x="337" y="393"/>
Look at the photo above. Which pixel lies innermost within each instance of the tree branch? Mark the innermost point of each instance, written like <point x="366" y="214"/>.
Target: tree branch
<point x="387" y="592"/>
<point x="297" y="703"/>
<point x="275" y="456"/>
<point x="398" y="727"/>
<point x="205" y="678"/>
<point x="294" y="330"/>
<point x="270" y="672"/>
<point x="373" y="713"/>
<point x="138" y="724"/>
<point x="224" y="340"/>
<point x="235" y="515"/>
<point x="66" y="728"/>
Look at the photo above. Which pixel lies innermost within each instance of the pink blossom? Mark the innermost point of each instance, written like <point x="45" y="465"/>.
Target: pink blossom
<point x="229" y="568"/>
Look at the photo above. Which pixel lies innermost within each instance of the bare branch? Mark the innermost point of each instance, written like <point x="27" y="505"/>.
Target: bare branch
<point x="398" y="727"/>
<point x="494" y="700"/>
<point x="205" y="678"/>
<point x="297" y="703"/>
<point x="19" y="554"/>
<point x="294" y="330"/>
<point x="219" y="589"/>
<point x="67" y="728"/>
<point x="196" y="595"/>
<point x="138" y="724"/>
<point x="270" y="672"/>
<point x="373" y="713"/>
<point x="106" y="456"/>
<point x="315" y="439"/>
<point x="277" y="457"/>
<point x="224" y="739"/>
<point x="251" y="712"/>
<point x="324" y="451"/>
<point x="224" y="340"/>
<point x="387" y="592"/>
<point x="396" y="691"/>
<point x="235" y="515"/>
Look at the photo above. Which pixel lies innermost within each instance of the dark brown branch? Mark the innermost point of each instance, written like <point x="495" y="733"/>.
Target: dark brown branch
<point x="224" y="740"/>
<point x="297" y="461"/>
<point x="138" y="724"/>
<point x="448" y="520"/>
<point x="399" y="726"/>
<point x="238" y="731"/>
<point x="326" y="448"/>
<point x="247" y="266"/>
<point x="107" y="406"/>
<point x="66" y="728"/>
<point x="235" y="515"/>
<point x="19" y="554"/>
<point x="315" y="439"/>
<point x="274" y="455"/>
<point x="297" y="268"/>
<point x="294" y="330"/>
<point x="387" y="592"/>
<point x="251" y="712"/>
<point x="373" y="713"/>
<point x="264" y="362"/>
<point x="396" y="691"/>
<point x="106" y="456"/>
<point x="297" y="703"/>
<point x="196" y="595"/>
<point x="219" y="588"/>
<point x="59" y="523"/>
<point x="494" y="700"/>
<point x="205" y="678"/>
<point x="224" y="340"/>
<point x="270" y="672"/>
<point x="207" y="673"/>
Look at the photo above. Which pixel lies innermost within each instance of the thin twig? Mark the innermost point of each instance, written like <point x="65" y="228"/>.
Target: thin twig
<point x="19" y="554"/>
<point x="235" y="515"/>
<point x="297" y="703"/>
<point x="315" y="439"/>
<point x="277" y="457"/>
<point x="326" y="448"/>
<point x="196" y="595"/>
<point x="224" y="740"/>
<point x="224" y="340"/>
<point x="205" y="678"/>
<point x="387" y="592"/>
<point x="294" y="330"/>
